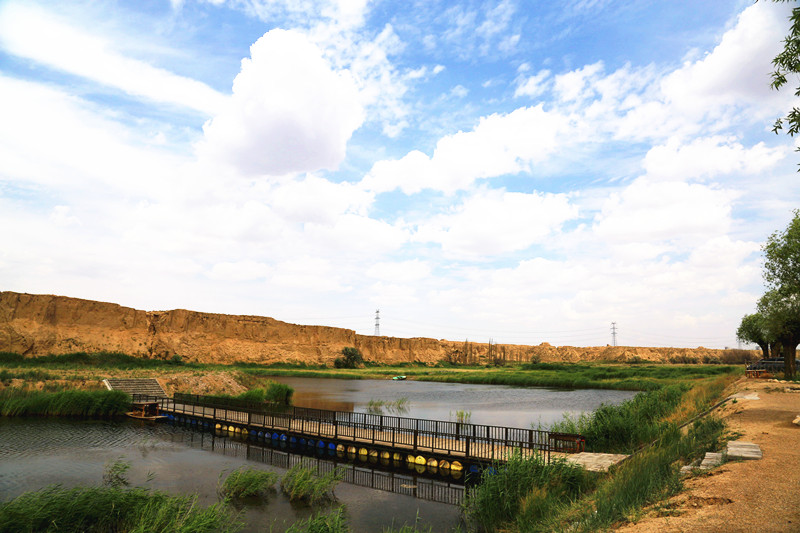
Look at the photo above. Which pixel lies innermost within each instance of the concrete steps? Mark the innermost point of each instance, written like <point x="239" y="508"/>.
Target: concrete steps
<point x="136" y="386"/>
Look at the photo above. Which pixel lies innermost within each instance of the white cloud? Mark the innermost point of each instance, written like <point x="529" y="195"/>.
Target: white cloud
<point x="708" y="157"/>
<point x="401" y="271"/>
<point x="34" y="34"/>
<point x="278" y="120"/>
<point x="496" y="222"/>
<point x="498" y="145"/>
<point x="532" y="85"/>
<point x="240" y="271"/>
<point x="672" y="212"/>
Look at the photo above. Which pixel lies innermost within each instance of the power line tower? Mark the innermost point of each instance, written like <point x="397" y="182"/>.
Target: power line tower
<point x="613" y="333"/>
<point x="377" y="322"/>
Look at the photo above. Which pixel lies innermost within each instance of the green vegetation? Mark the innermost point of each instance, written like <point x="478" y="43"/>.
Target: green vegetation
<point x="524" y="491"/>
<point x="334" y="522"/>
<point x="275" y="392"/>
<point x="351" y="358"/>
<point x="558" y="375"/>
<point x="462" y="417"/>
<point x="302" y="483"/>
<point x="245" y="482"/>
<point x="101" y="509"/>
<point x="398" y="406"/>
<point x="89" y="404"/>
<point x="526" y="495"/>
<point x="82" y="360"/>
<point x="776" y="326"/>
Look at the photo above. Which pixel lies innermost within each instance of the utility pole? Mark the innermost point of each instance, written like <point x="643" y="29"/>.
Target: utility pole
<point x="613" y="333"/>
<point x="377" y="322"/>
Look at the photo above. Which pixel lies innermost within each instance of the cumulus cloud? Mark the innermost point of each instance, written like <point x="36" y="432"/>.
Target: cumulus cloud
<point x="497" y="222"/>
<point x="667" y="211"/>
<point x="500" y="144"/>
<point x="290" y="111"/>
<point x="708" y="157"/>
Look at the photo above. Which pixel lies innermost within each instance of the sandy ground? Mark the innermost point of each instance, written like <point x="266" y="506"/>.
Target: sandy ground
<point x="748" y="496"/>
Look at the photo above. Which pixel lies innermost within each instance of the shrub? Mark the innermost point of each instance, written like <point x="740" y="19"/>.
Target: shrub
<point x="351" y="358"/>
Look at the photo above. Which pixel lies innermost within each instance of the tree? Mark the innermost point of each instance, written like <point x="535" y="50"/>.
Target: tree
<point x="782" y="320"/>
<point x="788" y="63"/>
<point x="782" y="258"/>
<point x="753" y="329"/>
<point x="352" y="358"/>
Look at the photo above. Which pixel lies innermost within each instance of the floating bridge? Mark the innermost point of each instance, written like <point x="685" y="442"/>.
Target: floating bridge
<point x="435" y="443"/>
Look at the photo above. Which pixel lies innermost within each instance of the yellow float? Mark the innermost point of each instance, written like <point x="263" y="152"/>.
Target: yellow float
<point x="420" y="460"/>
<point x="455" y="466"/>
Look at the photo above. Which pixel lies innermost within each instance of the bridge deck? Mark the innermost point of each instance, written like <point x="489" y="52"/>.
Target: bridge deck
<point x="436" y="439"/>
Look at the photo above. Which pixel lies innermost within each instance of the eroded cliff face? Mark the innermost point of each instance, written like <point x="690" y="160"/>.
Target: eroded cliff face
<point x="36" y="325"/>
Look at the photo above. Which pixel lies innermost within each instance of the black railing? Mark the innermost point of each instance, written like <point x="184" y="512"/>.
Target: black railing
<point x="471" y="441"/>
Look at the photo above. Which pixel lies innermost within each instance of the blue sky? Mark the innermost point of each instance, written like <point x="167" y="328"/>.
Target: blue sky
<point x="518" y="171"/>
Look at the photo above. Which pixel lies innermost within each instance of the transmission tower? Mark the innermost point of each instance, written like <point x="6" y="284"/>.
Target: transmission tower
<point x="613" y="333"/>
<point x="377" y="322"/>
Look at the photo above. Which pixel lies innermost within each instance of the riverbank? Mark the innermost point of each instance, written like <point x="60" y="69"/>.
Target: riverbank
<point x="742" y="496"/>
<point x="85" y="371"/>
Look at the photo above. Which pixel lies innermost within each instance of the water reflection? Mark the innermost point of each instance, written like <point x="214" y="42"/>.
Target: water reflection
<point x="376" y="471"/>
<point x="496" y="405"/>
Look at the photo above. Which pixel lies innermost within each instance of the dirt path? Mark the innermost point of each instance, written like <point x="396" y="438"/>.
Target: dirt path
<point x="750" y="496"/>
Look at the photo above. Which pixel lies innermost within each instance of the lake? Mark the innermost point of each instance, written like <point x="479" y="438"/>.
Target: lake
<point x="38" y="452"/>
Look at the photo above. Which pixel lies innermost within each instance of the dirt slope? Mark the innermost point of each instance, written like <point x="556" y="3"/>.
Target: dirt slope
<point x="36" y="325"/>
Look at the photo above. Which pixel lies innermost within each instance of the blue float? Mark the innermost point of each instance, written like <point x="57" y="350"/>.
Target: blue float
<point x="274" y="436"/>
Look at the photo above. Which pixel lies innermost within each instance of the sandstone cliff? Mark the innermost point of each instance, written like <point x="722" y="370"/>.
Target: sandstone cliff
<point x="36" y="325"/>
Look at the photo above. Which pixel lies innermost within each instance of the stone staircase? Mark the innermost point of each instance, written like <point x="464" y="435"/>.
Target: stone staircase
<point x="136" y="386"/>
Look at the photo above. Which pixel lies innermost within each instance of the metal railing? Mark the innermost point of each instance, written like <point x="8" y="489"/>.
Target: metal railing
<point x="459" y="439"/>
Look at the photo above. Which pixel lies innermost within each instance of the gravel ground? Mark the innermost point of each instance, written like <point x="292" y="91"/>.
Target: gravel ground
<point x="749" y="496"/>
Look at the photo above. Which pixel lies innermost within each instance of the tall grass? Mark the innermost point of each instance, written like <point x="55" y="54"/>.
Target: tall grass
<point x="621" y="428"/>
<point x="334" y="522"/>
<point x="302" y="483"/>
<point x="27" y="375"/>
<point x="524" y="490"/>
<point x="245" y="482"/>
<point x="102" y="509"/>
<point x="397" y="407"/>
<point x="72" y="402"/>
<point x="274" y="392"/>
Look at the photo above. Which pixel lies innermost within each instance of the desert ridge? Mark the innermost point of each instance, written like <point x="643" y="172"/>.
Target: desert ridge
<point x="42" y="324"/>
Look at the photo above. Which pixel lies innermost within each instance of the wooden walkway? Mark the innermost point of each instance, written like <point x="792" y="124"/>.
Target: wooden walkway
<point x="433" y="442"/>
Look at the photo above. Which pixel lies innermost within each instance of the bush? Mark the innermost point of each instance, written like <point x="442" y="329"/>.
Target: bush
<point x="351" y="358"/>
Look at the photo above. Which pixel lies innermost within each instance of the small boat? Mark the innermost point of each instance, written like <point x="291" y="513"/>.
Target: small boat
<point x="399" y="378"/>
<point x="145" y="411"/>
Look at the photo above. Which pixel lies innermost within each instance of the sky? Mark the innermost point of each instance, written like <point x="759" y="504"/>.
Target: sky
<point x="519" y="171"/>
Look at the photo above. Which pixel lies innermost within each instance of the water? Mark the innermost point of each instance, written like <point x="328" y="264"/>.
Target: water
<point x="35" y="453"/>
<point x="496" y="405"/>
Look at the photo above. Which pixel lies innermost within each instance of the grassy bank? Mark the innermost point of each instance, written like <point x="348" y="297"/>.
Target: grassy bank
<point x="528" y="496"/>
<point x="556" y="375"/>
<point x="73" y="402"/>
